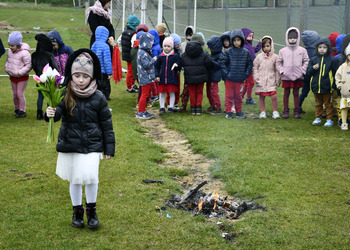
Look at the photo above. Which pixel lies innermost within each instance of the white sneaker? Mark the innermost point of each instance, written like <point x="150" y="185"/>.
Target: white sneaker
<point x="317" y="122"/>
<point x="233" y="109"/>
<point x="262" y="115"/>
<point x="344" y="126"/>
<point x="276" y="115"/>
<point x="110" y="109"/>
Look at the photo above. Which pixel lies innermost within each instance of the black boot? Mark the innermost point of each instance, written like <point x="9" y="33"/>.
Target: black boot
<point x="78" y="216"/>
<point x="92" y="216"/>
<point x="39" y="114"/>
<point x="199" y="110"/>
<point x="193" y="110"/>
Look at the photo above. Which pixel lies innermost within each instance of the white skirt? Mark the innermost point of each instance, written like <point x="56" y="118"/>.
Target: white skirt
<point x="78" y="168"/>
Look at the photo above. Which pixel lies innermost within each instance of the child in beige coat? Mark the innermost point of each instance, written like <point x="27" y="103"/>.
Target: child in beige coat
<point x="267" y="77"/>
<point x="342" y="78"/>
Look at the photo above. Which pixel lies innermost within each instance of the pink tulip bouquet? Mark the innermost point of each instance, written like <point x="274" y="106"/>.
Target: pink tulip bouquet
<point x="48" y="84"/>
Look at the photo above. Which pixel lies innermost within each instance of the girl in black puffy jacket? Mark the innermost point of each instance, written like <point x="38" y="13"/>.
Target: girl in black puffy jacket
<point x="86" y="133"/>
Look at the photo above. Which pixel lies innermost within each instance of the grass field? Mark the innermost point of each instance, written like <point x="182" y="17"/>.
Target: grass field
<point x="302" y="171"/>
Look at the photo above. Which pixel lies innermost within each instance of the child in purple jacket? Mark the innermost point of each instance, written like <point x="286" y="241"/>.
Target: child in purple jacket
<point x="249" y="82"/>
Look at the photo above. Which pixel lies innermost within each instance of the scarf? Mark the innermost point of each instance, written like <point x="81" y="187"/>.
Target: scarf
<point x="168" y="54"/>
<point x="84" y="93"/>
<point x="98" y="10"/>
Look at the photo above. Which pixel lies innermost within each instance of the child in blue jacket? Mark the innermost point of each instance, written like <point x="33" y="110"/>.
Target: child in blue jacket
<point x="215" y="46"/>
<point x="146" y="72"/>
<point x="60" y="50"/>
<point x="156" y="51"/>
<point x="101" y="49"/>
<point x="237" y="66"/>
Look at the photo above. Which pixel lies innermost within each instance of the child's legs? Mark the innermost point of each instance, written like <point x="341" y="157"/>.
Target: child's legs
<point x="274" y="102"/>
<point x="192" y="93"/>
<point x="304" y="91"/>
<point x="20" y="87"/>
<point x="250" y="85"/>
<point x="318" y="105"/>
<point x="327" y="100"/>
<point x="344" y="115"/>
<point x="296" y="97"/>
<point x="215" y="94"/>
<point x="162" y="99"/>
<point x="172" y="99"/>
<point x="154" y="88"/>
<point x="177" y="92"/>
<point x="228" y="95"/>
<point x="15" y="95"/>
<point x="40" y="101"/>
<point x="91" y="193"/>
<point x="237" y="96"/>
<point x="143" y="99"/>
<point x="130" y="81"/>
<point x="209" y="93"/>
<point x="286" y="98"/>
<point x="184" y="96"/>
<point x="245" y="87"/>
<point x="262" y="103"/>
<point x="76" y="193"/>
<point x="199" y="94"/>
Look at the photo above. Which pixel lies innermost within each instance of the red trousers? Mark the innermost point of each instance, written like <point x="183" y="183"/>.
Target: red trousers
<point x="196" y="94"/>
<point x="130" y="80"/>
<point x="154" y="89"/>
<point x="248" y="86"/>
<point x="145" y="90"/>
<point x="232" y="95"/>
<point x="184" y="96"/>
<point x="213" y="94"/>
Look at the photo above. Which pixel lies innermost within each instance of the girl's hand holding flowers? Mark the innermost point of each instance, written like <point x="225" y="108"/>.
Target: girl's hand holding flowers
<point x="50" y="112"/>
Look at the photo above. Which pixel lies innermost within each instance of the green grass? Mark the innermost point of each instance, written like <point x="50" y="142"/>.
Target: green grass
<point x="302" y="171"/>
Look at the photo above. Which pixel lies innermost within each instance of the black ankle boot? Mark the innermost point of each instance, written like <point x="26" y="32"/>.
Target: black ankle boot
<point x="78" y="216"/>
<point x="39" y="114"/>
<point x="199" y="110"/>
<point x="92" y="216"/>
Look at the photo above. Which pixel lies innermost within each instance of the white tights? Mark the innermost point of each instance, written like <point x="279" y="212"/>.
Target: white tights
<point x="76" y="193"/>
<point x="162" y="97"/>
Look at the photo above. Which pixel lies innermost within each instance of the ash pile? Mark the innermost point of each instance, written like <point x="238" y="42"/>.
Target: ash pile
<point x="211" y="205"/>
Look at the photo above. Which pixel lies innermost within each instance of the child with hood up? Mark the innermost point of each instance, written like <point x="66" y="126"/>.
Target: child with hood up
<point x="18" y="65"/>
<point x="156" y="51"/>
<point x="225" y="38"/>
<point x="146" y="72"/>
<point x="188" y="32"/>
<point x="215" y="46"/>
<point x="249" y="82"/>
<point x="342" y="78"/>
<point x="40" y="58"/>
<point x="101" y="49"/>
<point x="267" y="77"/>
<point x="236" y="66"/>
<point x="332" y="38"/>
<point x="321" y="70"/>
<point x="309" y="38"/>
<point x="292" y="63"/>
<point x="60" y="51"/>
<point x="127" y="34"/>
<point x="338" y="44"/>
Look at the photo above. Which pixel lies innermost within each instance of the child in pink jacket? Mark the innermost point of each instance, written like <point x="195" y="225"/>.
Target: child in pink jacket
<point x="18" y="64"/>
<point x="292" y="63"/>
<point x="267" y="76"/>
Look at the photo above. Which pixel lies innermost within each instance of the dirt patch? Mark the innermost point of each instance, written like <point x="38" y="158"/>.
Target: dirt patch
<point x="180" y="156"/>
<point x="6" y="26"/>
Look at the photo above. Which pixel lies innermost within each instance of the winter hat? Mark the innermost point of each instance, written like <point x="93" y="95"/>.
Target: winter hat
<point x="133" y="21"/>
<point x="177" y="39"/>
<point x="197" y="38"/>
<point x="83" y="64"/>
<point x="139" y="34"/>
<point x="168" y="41"/>
<point x="15" y="38"/>
<point x="161" y="28"/>
<point x="292" y="34"/>
<point x="142" y="27"/>
<point x="332" y="38"/>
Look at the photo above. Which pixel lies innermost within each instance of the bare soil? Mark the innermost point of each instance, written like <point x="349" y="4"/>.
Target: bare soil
<point x="180" y="156"/>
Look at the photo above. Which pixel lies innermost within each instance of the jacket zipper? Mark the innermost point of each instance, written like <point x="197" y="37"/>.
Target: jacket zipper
<point x="320" y="75"/>
<point x="166" y="70"/>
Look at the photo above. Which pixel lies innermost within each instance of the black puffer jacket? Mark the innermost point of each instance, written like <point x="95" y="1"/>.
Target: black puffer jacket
<point x="126" y="43"/>
<point x="95" y="21"/>
<point x="90" y="129"/>
<point x="196" y="63"/>
<point x="43" y="55"/>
